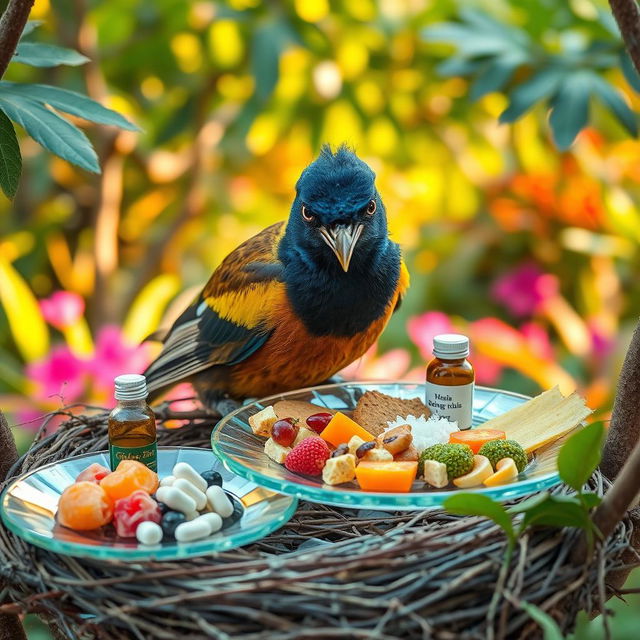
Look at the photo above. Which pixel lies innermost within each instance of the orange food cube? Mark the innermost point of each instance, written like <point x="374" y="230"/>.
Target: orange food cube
<point x="342" y="428"/>
<point x="475" y="438"/>
<point x="84" y="506"/>
<point x="129" y="476"/>
<point x="394" y="477"/>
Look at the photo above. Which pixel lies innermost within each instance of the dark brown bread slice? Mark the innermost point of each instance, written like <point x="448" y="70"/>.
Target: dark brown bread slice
<point x="375" y="409"/>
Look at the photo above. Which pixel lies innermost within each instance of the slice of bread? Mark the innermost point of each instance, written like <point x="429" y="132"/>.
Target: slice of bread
<point x="298" y="409"/>
<point x="375" y="409"/>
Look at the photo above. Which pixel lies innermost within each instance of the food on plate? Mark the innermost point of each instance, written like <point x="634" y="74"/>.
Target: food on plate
<point x="191" y="490"/>
<point x="375" y="409"/>
<point x="342" y="428"/>
<point x="481" y="470"/>
<point x="318" y="421"/>
<point x="195" y="529"/>
<point x="303" y="433"/>
<point x="355" y="442"/>
<point x="498" y="449"/>
<point x="176" y="499"/>
<point x="368" y="452"/>
<point x="93" y="473"/>
<point x="410" y="454"/>
<point x="308" y="457"/>
<point x="425" y="431"/>
<point x="542" y="419"/>
<point x="149" y="532"/>
<point x="212" y="477"/>
<point x="475" y="438"/>
<point x="506" y="471"/>
<point x="339" y="469"/>
<point x="129" y="512"/>
<point x="84" y="505"/>
<point x="219" y="502"/>
<point x="170" y="521"/>
<point x="284" y="431"/>
<point x="298" y="409"/>
<point x="458" y="458"/>
<point x="262" y="421"/>
<point x="396" y="440"/>
<point x="276" y="451"/>
<point x="129" y="476"/>
<point x="435" y="473"/>
<point x="394" y="477"/>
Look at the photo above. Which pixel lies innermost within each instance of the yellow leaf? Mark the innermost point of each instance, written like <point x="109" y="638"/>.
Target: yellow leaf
<point x="23" y="313"/>
<point x="147" y="309"/>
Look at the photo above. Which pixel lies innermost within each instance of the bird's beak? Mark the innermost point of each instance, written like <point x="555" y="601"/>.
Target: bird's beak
<point x="342" y="240"/>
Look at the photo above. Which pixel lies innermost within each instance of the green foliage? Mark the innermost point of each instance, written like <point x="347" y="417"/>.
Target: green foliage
<point x="565" y="76"/>
<point x="473" y="504"/>
<point x="580" y="455"/>
<point x="29" y="106"/>
<point x="546" y="622"/>
<point x="10" y="158"/>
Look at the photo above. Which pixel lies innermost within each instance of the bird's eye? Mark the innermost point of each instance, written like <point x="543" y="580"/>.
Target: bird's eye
<point x="371" y="207"/>
<point x="306" y="214"/>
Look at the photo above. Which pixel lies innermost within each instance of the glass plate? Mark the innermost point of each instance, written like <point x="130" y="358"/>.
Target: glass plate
<point x="243" y="452"/>
<point x="29" y="504"/>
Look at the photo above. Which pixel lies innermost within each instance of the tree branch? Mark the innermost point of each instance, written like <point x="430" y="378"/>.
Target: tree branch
<point x="627" y="16"/>
<point x="11" y="25"/>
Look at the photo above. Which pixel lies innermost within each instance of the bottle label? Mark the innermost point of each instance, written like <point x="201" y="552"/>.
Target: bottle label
<point x="148" y="455"/>
<point x="452" y="403"/>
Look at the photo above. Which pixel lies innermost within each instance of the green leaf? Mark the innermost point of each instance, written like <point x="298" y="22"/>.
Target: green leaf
<point x="580" y="455"/>
<point x="51" y="131"/>
<point x="544" y="620"/>
<point x="69" y="102"/>
<point x="540" y="86"/>
<point x="558" y="511"/>
<point x="10" y="158"/>
<point x="475" y="504"/>
<point x="590" y="500"/>
<point x="620" y="109"/>
<point x="30" y="27"/>
<point x="529" y="503"/>
<point x="37" y="54"/>
<point x="494" y="76"/>
<point x="629" y="71"/>
<point x="456" y="66"/>
<point x="570" y="112"/>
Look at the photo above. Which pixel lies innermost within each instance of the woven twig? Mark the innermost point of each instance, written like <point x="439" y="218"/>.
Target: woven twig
<point x="329" y="573"/>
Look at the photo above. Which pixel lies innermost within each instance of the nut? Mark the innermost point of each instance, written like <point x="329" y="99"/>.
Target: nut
<point x="396" y="440"/>
<point x="340" y="450"/>
<point x="362" y="450"/>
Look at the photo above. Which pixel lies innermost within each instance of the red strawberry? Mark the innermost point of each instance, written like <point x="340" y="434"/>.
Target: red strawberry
<point x="308" y="457"/>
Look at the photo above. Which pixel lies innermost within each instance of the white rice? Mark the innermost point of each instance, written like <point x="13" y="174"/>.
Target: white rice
<point x="425" y="432"/>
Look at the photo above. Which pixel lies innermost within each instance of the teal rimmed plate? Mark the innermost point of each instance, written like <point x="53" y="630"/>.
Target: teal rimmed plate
<point x="243" y="453"/>
<point x="29" y="504"/>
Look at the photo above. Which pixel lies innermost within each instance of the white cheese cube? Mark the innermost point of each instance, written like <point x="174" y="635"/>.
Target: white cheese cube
<point x="303" y="434"/>
<point x="435" y="474"/>
<point x="262" y="422"/>
<point x="378" y="455"/>
<point x="339" y="469"/>
<point x="354" y="443"/>
<point x="276" y="451"/>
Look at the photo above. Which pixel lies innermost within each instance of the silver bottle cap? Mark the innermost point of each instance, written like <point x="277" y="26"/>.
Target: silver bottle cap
<point x="450" y="346"/>
<point x="131" y="386"/>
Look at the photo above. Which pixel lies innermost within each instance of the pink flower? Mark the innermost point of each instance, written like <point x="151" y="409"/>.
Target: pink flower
<point x="423" y="328"/>
<point x="62" y="308"/>
<point x="538" y="340"/>
<point x="392" y="365"/>
<point x="60" y="374"/>
<point x="113" y="356"/>
<point x="523" y="290"/>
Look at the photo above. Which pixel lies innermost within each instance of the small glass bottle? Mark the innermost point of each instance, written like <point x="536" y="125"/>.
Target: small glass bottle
<point x="132" y="425"/>
<point x="450" y="379"/>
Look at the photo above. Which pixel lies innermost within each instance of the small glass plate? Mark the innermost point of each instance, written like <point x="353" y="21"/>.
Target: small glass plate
<point x="243" y="452"/>
<point x="29" y="504"/>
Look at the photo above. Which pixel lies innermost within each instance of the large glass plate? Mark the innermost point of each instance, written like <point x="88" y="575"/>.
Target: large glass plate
<point x="243" y="452"/>
<point x="30" y="502"/>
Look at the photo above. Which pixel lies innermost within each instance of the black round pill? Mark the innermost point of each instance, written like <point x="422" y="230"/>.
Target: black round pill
<point x="170" y="520"/>
<point x="212" y="477"/>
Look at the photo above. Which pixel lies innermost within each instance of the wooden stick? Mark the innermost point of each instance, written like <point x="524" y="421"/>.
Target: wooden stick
<point x="11" y="25"/>
<point x="627" y="16"/>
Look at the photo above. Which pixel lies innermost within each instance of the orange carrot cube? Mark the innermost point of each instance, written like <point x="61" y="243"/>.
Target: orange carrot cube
<point x="342" y="428"/>
<point x="393" y="477"/>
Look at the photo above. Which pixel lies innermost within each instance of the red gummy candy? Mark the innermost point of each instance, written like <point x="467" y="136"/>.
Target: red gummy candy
<point x="93" y="473"/>
<point x="129" y="512"/>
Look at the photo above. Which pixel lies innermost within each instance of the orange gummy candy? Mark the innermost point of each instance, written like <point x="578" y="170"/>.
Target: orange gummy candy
<point x="84" y="506"/>
<point x="129" y="476"/>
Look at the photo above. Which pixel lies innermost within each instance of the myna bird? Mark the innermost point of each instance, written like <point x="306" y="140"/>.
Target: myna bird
<point x="297" y="302"/>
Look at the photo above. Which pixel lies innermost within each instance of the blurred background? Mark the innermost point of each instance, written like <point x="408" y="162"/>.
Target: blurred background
<point x="513" y="235"/>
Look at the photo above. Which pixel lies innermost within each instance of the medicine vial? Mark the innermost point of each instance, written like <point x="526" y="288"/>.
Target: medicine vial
<point x="450" y="380"/>
<point x="132" y="425"/>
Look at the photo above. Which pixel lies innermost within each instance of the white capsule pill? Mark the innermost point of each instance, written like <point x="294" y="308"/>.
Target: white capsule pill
<point x="214" y="520"/>
<point x="199" y="497"/>
<point x="194" y="530"/>
<point x="191" y="516"/>
<point x="218" y="501"/>
<point x="186" y="471"/>
<point x="149" y="532"/>
<point x="167" y="481"/>
<point x="176" y="499"/>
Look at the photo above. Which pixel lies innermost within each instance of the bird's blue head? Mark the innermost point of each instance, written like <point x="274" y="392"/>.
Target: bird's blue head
<point x="337" y="213"/>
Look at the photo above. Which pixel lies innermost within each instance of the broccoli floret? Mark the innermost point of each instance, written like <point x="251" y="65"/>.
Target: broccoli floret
<point x="457" y="457"/>
<point x="496" y="450"/>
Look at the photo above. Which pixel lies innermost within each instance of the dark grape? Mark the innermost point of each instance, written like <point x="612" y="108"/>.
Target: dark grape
<point x="170" y="520"/>
<point x="212" y="477"/>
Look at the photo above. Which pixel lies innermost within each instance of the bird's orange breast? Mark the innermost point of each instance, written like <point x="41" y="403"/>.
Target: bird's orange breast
<point x="293" y="358"/>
